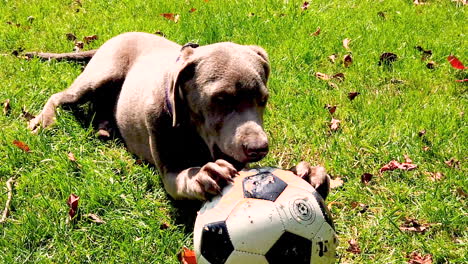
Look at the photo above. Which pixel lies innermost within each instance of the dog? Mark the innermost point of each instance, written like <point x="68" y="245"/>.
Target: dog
<point x="196" y="112"/>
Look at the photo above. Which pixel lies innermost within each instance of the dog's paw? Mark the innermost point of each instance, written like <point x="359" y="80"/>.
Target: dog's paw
<point x="212" y="177"/>
<point x="40" y="121"/>
<point x="317" y="177"/>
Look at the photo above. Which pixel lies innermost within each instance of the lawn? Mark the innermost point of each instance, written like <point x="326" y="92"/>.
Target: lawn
<point x="403" y="108"/>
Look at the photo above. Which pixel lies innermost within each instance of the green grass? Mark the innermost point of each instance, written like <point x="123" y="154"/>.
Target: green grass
<point x="381" y="124"/>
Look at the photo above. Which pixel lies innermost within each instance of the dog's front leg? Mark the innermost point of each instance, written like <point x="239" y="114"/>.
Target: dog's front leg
<point x="199" y="182"/>
<point x="316" y="176"/>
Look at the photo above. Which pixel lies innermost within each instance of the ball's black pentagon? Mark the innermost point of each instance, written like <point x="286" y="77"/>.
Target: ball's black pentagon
<point x="325" y="212"/>
<point x="264" y="185"/>
<point x="290" y="248"/>
<point x="216" y="245"/>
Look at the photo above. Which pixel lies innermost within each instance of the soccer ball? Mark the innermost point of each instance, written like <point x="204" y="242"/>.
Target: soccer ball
<point x="267" y="215"/>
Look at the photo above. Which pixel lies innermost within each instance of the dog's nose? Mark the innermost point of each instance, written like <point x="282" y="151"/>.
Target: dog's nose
<point x="255" y="150"/>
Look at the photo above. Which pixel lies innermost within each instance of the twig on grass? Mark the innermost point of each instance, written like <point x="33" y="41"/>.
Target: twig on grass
<point x="9" y="184"/>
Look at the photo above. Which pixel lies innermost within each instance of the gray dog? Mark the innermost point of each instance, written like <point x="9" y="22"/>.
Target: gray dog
<point x="194" y="112"/>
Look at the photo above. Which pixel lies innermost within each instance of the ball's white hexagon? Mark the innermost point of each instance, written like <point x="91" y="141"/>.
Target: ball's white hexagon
<point x="254" y="226"/>
<point x="237" y="257"/>
<point x="324" y="245"/>
<point x="300" y="212"/>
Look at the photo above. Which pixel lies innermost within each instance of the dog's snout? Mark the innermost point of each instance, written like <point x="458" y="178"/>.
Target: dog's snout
<point x="255" y="150"/>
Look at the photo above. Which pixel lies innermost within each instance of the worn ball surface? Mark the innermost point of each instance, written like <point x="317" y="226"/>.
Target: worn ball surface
<point x="266" y="216"/>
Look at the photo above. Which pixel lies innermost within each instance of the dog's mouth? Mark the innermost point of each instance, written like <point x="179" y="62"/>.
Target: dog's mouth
<point x="218" y="154"/>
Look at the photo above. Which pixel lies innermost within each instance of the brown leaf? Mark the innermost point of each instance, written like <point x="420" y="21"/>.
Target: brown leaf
<point x="6" y="107"/>
<point x="72" y="202"/>
<point x="331" y="108"/>
<point x="366" y="178"/>
<point x="71" y="37"/>
<point x="353" y="95"/>
<point x="362" y="207"/>
<point x="89" y="39"/>
<point x="334" y="124"/>
<point x="347" y="60"/>
<point x="333" y="57"/>
<point x="335" y="183"/>
<point x="417" y="258"/>
<point x="339" y="76"/>
<point x="435" y="176"/>
<point x="333" y="85"/>
<point x="171" y="16"/>
<point x="353" y="247"/>
<point x="426" y="54"/>
<point x="418" y="2"/>
<point x="387" y="58"/>
<point x="396" y="81"/>
<point x="164" y="226"/>
<point x="26" y="115"/>
<point x="422" y="133"/>
<point x="426" y="148"/>
<point x="381" y="14"/>
<point x="71" y="157"/>
<point x="192" y="10"/>
<point x="453" y="163"/>
<point x="21" y="145"/>
<point x="393" y="165"/>
<point x="346" y="43"/>
<point x="305" y="6"/>
<point x="187" y="256"/>
<point x="322" y="76"/>
<point x="317" y="32"/>
<point x="78" y="46"/>
<point x="461" y="192"/>
<point x="334" y="203"/>
<point x="407" y="159"/>
<point x="94" y="218"/>
<point x="412" y="225"/>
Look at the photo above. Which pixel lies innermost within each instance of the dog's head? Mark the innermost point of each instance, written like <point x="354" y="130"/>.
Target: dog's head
<point x="221" y="90"/>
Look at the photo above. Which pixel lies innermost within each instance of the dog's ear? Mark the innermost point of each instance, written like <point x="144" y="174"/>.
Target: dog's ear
<point x="185" y="71"/>
<point x="264" y="57"/>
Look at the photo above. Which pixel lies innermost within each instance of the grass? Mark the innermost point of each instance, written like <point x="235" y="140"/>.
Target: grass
<point x="381" y="124"/>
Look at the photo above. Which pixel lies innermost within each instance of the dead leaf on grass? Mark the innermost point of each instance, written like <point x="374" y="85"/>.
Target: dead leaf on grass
<point x="453" y="163"/>
<point x="431" y="65"/>
<point x="422" y="133"/>
<point x="426" y="54"/>
<point x="362" y="207"/>
<point x="333" y="85"/>
<point x="72" y="203"/>
<point x="322" y="76"/>
<point x="463" y="80"/>
<point x="426" y="148"/>
<point x="71" y="157"/>
<point x="353" y="95"/>
<point x="347" y="60"/>
<point x="317" y="32"/>
<point x="335" y="183"/>
<point x="417" y="258"/>
<point x="334" y="204"/>
<point x="164" y="226"/>
<point x="187" y="256"/>
<point x="353" y="247"/>
<point x="333" y="57"/>
<point x="339" y="76"/>
<point x="435" y="176"/>
<point x="413" y="225"/>
<point x="305" y="6"/>
<point x="346" y="43"/>
<point x="334" y="124"/>
<point x="192" y="10"/>
<point x="95" y="218"/>
<point x="171" y="16"/>
<point x="407" y="159"/>
<point x="366" y="178"/>
<point x="418" y="2"/>
<point x="387" y="58"/>
<point x="461" y="192"/>
<point x="21" y="145"/>
<point x="331" y="108"/>
<point x="79" y="45"/>
<point x="70" y="36"/>
<point x="6" y="107"/>
<point x="89" y="39"/>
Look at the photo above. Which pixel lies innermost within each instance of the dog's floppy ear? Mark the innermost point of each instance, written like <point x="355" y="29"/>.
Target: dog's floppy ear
<point x="264" y="57"/>
<point x="185" y="71"/>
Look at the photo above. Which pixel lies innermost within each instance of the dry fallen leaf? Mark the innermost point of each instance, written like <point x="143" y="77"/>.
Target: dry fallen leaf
<point x="387" y="58"/>
<point x="393" y="165"/>
<point x="463" y="80"/>
<point x="79" y="45"/>
<point x="412" y="225"/>
<point x="353" y="95"/>
<point x="21" y="145"/>
<point x="347" y="60"/>
<point x="366" y="178"/>
<point x="333" y="85"/>
<point x="317" y="32"/>
<point x="426" y="148"/>
<point x="333" y="57"/>
<point x="187" y="256"/>
<point x="89" y="39"/>
<point x="192" y="10"/>
<point x="71" y="157"/>
<point x="453" y="163"/>
<point x="71" y="36"/>
<point x="334" y="124"/>
<point x="353" y="247"/>
<point x="417" y="258"/>
<point x="456" y="63"/>
<point x="72" y="202"/>
<point x="461" y="192"/>
<point x="435" y="176"/>
<point x="334" y="204"/>
<point x="335" y="183"/>
<point x="6" y="107"/>
<point x="339" y="76"/>
<point x="305" y="5"/>
<point x="95" y="218"/>
<point x="171" y="16"/>
<point x="422" y="133"/>
<point x="407" y="159"/>
<point x="322" y="76"/>
<point x="331" y="108"/>
<point x="418" y="2"/>
<point x="431" y="65"/>
<point x="362" y="207"/>
<point x="346" y="42"/>
<point x="164" y="226"/>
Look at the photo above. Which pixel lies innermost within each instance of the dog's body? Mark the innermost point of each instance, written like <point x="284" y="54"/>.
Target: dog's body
<point x="194" y="112"/>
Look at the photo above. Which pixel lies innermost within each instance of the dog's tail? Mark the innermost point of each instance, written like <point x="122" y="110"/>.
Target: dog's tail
<point x="83" y="56"/>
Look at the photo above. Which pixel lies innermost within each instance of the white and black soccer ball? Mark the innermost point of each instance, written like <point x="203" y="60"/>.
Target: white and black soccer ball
<point x="266" y="216"/>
